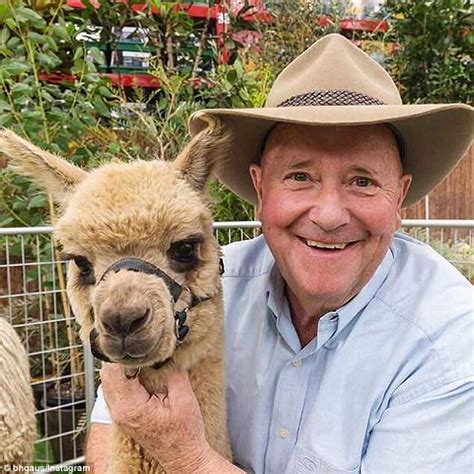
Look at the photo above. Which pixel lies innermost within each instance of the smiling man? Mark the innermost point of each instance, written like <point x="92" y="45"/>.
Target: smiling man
<point x="330" y="203"/>
<point x="349" y="346"/>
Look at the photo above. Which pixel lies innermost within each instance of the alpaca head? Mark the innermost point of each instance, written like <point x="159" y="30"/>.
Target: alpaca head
<point x="151" y="216"/>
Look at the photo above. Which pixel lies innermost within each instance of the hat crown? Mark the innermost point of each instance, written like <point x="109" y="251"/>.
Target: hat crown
<point x="333" y="63"/>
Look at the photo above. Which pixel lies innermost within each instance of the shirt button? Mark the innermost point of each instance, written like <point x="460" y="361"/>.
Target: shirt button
<point x="296" y="363"/>
<point x="282" y="433"/>
<point x="309" y="464"/>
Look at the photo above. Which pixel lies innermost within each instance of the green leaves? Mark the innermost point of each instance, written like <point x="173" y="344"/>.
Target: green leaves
<point x="48" y="61"/>
<point x="87" y="120"/>
<point x="61" y="32"/>
<point x="4" y="37"/>
<point x="20" y="88"/>
<point x="97" y="55"/>
<point x="26" y="15"/>
<point x="434" y="61"/>
<point x="100" y="106"/>
<point x="37" y="201"/>
<point x="12" y="67"/>
<point x="105" y="92"/>
<point x="36" y="37"/>
<point x="54" y="116"/>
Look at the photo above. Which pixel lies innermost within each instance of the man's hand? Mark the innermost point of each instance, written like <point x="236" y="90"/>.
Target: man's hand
<point x="167" y="425"/>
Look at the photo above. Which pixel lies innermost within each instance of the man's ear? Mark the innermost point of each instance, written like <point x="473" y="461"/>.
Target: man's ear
<point x="405" y="182"/>
<point x="55" y="175"/>
<point x="203" y="154"/>
<point x="256" y="175"/>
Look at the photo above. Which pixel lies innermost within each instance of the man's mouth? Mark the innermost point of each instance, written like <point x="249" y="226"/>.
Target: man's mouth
<point x="322" y="245"/>
<point x="327" y="245"/>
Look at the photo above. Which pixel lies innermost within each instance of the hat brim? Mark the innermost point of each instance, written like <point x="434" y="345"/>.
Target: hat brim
<point x="436" y="136"/>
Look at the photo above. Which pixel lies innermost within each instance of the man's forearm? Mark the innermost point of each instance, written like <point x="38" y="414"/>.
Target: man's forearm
<point x="98" y="447"/>
<point x="207" y="462"/>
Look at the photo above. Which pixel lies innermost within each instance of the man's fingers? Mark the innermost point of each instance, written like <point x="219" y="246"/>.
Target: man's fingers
<point x="110" y="368"/>
<point x="120" y="390"/>
<point x="179" y="387"/>
<point x="125" y="397"/>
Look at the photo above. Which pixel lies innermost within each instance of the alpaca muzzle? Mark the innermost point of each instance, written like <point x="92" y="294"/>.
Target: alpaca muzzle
<point x="175" y="289"/>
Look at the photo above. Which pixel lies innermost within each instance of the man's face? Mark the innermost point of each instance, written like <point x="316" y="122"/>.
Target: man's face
<point x="329" y="201"/>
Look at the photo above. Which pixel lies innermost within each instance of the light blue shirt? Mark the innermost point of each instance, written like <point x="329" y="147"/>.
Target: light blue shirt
<point x="385" y="387"/>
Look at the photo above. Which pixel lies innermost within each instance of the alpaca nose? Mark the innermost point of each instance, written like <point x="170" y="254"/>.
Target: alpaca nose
<point x="125" y="322"/>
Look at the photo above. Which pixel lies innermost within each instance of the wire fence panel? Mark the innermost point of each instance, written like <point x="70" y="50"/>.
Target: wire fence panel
<point x="33" y="299"/>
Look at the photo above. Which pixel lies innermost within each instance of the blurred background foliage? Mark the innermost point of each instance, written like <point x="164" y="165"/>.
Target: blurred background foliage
<point x="89" y="122"/>
<point x="434" y="39"/>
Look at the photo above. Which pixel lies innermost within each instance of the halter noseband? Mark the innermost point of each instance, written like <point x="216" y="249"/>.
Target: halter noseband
<point x="175" y="289"/>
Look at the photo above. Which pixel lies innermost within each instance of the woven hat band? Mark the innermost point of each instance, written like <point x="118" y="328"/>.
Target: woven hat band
<point x="341" y="97"/>
<point x="331" y="97"/>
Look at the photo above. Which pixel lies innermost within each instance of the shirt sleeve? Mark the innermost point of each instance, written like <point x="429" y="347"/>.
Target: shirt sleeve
<point x="100" y="412"/>
<point x="430" y="433"/>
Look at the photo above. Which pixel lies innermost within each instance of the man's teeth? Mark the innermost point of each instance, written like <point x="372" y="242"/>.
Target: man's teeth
<point x="321" y="245"/>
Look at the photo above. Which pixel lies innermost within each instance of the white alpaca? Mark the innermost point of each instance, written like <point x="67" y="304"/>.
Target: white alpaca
<point x="17" y="409"/>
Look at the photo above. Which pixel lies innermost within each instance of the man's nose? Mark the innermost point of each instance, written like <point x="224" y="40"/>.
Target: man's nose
<point x="329" y="210"/>
<point x="125" y="321"/>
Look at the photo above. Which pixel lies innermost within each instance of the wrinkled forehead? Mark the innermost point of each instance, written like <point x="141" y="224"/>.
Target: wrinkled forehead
<point x="375" y="142"/>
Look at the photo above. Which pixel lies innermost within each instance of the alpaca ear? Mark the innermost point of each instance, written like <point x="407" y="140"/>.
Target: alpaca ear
<point x="55" y="175"/>
<point x="204" y="153"/>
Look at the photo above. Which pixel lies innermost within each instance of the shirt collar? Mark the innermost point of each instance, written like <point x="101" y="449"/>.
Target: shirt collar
<point x="280" y="309"/>
<point x="276" y="291"/>
<point x="353" y="307"/>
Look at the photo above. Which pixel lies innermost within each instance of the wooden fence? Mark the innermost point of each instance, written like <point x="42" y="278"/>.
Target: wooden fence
<point x="452" y="198"/>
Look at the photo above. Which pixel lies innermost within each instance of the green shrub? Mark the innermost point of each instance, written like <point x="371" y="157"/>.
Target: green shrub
<point x="434" y="58"/>
<point x="87" y="120"/>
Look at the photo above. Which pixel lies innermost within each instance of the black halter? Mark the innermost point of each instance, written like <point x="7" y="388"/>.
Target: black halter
<point x="175" y="289"/>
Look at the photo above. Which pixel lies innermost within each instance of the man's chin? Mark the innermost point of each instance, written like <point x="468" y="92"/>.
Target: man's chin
<point x="321" y="287"/>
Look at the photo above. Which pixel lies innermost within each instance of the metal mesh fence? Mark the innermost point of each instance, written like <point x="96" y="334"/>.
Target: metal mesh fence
<point x="33" y="299"/>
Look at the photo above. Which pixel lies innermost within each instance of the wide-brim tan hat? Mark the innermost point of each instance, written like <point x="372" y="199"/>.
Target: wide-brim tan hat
<point x="335" y="83"/>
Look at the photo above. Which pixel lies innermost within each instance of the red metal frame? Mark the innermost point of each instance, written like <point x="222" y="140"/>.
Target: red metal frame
<point x="350" y="24"/>
<point x="364" y="25"/>
<point x="145" y="81"/>
<point x="195" y="11"/>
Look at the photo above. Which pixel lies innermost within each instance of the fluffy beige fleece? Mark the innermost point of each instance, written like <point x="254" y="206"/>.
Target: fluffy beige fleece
<point x="139" y="210"/>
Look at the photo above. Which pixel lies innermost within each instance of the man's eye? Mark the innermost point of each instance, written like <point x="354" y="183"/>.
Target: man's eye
<point x="362" y="182"/>
<point x="301" y="177"/>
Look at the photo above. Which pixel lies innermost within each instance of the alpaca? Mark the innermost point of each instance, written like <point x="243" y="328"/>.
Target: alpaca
<point x="17" y="409"/>
<point x="143" y="277"/>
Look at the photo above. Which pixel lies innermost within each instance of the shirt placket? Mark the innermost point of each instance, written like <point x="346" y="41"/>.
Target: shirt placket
<point x="290" y="397"/>
<point x="288" y="405"/>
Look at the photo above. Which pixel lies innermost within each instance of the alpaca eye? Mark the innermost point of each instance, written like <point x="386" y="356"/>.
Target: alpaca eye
<point x="183" y="255"/>
<point x="183" y="251"/>
<point x="86" y="270"/>
<point x="85" y="267"/>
